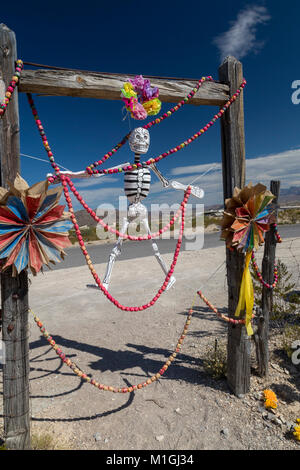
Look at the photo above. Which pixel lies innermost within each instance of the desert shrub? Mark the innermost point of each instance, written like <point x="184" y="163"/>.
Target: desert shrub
<point x="215" y="361"/>
<point x="290" y="334"/>
<point x="283" y="295"/>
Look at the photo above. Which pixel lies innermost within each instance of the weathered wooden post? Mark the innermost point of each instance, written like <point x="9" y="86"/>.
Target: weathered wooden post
<point x="14" y="290"/>
<point x="262" y="335"/>
<point x="233" y="164"/>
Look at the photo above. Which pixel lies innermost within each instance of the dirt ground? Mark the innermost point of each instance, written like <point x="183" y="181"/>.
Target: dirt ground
<point x="186" y="409"/>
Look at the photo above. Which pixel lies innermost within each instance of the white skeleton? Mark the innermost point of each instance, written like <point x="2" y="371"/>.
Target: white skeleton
<point x="136" y="186"/>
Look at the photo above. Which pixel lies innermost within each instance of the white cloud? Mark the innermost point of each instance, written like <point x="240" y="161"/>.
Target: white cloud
<point x="94" y="181"/>
<point x="240" y="39"/>
<point x="283" y="166"/>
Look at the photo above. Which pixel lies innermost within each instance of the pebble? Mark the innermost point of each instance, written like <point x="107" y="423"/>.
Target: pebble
<point x="282" y="420"/>
<point x="97" y="436"/>
<point x="159" y="438"/>
<point x="225" y="432"/>
<point x="289" y="425"/>
<point x="276" y="367"/>
<point x="177" y="410"/>
<point x="106" y="440"/>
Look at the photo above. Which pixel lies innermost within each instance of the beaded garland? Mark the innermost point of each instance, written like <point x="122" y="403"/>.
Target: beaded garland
<point x="278" y="237"/>
<point x="178" y="147"/>
<point x="115" y="231"/>
<point x="220" y="315"/>
<point x="151" y="123"/>
<point x="126" y="137"/>
<point x="259" y="275"/>
<point x="100" y="386"/>
<point x="92" y="269"/>
<point x="11" y="87"/>
<point x="91" y="170"/>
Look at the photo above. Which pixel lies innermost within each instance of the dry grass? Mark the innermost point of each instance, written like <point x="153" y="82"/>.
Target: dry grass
<point x="44" y="440"/>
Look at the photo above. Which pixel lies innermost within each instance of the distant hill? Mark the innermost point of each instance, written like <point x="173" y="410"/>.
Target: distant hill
<point x="290" y="196"/>
<point x="83" y="218"/>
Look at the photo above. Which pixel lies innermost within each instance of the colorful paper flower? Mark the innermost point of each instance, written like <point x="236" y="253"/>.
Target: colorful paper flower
<point x="139" y="83"/>
<point x="128" y="90"/>
<point x="152" y="107"/>
<point x="33" y="227"/>
<point x="137" y="93"/>
<point x="247" y="217"/>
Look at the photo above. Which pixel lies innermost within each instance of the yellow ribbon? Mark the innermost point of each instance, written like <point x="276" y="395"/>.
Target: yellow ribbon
<point x="246" y="298"/>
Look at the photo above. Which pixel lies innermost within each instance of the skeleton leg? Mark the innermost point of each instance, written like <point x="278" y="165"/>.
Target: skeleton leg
<point x="158" y="255"/>
<point x="116" y="251"/>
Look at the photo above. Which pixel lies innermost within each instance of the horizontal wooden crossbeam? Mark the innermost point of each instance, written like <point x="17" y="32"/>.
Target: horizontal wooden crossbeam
<point x="107" y="86"/>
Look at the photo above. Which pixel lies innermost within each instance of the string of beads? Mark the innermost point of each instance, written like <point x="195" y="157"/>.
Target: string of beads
<point x="150" y="124"/>
<point x="259" y="275"/>
<point x="125" y="138"/>
<point x="11" y="87"/>
<point x="91" y="266"/>
<point x="115" y="231"/>
<point x="178" y="147"/>
<point x="220" y="315"/>
<point x="100" y="386"/>
<point x="92" y="170"/>
<point x="278" y="237"/>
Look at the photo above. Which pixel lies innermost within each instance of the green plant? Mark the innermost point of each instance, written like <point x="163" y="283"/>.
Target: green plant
<point x="290" y="334"/>
<point x="42" y="442"/>
<point x="210" y="219"/>
<point x="283" y="298"/>
<point x="215" y="362"/>
<point x="88" y="234"/>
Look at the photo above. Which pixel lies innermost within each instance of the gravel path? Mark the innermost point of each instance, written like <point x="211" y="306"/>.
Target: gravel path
<point x="186" y="409"/>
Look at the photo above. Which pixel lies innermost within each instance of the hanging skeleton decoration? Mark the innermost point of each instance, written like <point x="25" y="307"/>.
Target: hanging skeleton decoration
<point x="141" y="100"/>
<point x="136" y="187"/>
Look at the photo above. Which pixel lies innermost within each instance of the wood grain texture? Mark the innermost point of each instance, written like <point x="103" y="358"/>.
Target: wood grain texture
<point x="95" y="85"/>
<point x="262" y="342"/>
<point x="9" y="124"/>
<point x="14" y="290"/>
<point x="233" y="167"/>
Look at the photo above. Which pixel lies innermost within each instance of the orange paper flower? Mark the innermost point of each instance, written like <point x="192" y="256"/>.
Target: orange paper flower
<point x="270" y="399"/>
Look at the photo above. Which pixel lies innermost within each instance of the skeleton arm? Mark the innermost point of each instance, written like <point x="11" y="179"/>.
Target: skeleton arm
<point x="163" y="180"/>
<point x="196" y="191"/>
<point x="81" y="174"/>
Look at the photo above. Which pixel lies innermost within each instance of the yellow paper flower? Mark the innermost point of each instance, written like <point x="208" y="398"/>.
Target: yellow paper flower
<point x="152" y="106"/>
<point x="128" y="90"/>
<point x="296" y="432"/>
<point x="270" y="399"/>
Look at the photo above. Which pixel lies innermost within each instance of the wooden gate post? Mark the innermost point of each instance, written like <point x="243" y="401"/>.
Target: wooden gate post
<point x="233" y="165"/>
<point x="262" y="336"/>
<point x="14" y="290"/>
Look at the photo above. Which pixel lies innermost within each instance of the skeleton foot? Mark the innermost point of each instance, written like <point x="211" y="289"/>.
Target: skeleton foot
<point x="171" y="282"/>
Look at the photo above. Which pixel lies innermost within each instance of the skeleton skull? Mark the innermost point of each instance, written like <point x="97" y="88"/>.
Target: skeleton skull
<point x="139" y="140"/>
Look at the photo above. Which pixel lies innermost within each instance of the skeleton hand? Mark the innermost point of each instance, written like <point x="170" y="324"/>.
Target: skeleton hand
<point x="80" y="174"/>
<point x="196" y="191"/>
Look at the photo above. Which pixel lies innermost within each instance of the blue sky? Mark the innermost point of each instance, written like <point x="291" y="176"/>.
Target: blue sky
<point x="163" y="38"/>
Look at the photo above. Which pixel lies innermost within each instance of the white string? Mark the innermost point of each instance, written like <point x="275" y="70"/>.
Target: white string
<point x="205" y="173"/>
<point x="212" y="275"/>
<point x="41" y="160"/>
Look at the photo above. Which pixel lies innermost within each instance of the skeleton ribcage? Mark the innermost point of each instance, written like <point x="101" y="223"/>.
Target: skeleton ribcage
<point x="137" y="184"/>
